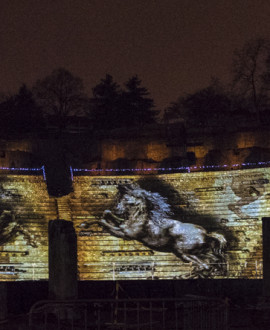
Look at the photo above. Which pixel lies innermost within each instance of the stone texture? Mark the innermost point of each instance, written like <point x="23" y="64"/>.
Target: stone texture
<point x="232" y="202"/>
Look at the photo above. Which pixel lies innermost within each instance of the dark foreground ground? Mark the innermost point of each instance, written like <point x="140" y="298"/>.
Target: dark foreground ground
<point x="243" y="298"/>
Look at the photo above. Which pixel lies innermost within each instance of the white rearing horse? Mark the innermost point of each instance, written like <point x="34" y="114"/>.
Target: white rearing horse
<point x="146" y="217"/>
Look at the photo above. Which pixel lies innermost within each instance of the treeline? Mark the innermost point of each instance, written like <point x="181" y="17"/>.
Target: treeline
<point x="59" y="99"/>
<point x="246" y="96"/>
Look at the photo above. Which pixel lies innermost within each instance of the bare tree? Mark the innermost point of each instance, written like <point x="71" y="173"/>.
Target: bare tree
<point x="249" y="68"/>
<point x="60" y="94"/>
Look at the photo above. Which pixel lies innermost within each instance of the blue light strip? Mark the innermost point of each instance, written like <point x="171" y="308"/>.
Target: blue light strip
<point x="21" y="168"/>
<point x="183" y="168"/>
<point x="43" y="172"/>
<point x="26" y="169"/>
<point x="71" y="173"/>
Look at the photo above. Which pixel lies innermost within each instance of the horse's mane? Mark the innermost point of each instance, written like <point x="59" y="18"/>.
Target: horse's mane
<point x="155" y="206"/>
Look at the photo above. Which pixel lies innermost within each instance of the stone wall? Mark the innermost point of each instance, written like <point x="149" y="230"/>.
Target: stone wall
<point x="168" y="147"/>
<point x="230" y="148"/>
<point x="25" y="209"/>
<point x="227" y="205"/>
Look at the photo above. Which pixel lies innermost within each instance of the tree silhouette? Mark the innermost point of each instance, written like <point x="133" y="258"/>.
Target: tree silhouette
<point x="250" y="72"/>
<point x="60" y="94"/>
<point x="105" y="111"/>
<point x="205" y="107"/>
<point x="111" y="107"/>
<point x="138" y="107"/>
<point x="20" y="114"/>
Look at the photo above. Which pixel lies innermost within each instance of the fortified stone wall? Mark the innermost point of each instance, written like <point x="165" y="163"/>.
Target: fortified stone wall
<point x="155" y="151"/>
<point x="188" y="225"/>
<point x="230" y="147"/>
<point x="169" y="148"/>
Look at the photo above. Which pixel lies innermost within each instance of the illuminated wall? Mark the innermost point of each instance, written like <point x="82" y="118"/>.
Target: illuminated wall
<point x="25" y="210"/>
<point x="188" y="225"/>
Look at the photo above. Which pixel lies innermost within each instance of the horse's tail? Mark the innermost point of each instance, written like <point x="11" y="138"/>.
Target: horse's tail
<point x="219" y="241"/>
<point x="217" y="244"/>
<point x="214" y="255"/>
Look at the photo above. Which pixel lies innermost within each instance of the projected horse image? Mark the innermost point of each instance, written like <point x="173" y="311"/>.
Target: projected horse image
<point x="147" y="217"/>
<point x="10" y="226"/>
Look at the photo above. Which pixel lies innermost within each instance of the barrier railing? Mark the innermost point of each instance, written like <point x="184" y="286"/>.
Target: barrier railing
<point x="187" y="313"/>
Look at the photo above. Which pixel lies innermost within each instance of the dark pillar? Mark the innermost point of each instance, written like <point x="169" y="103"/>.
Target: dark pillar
<point x="266" y="256"/>
<point x="3" y="301"/>
<point x="62" y="260"/>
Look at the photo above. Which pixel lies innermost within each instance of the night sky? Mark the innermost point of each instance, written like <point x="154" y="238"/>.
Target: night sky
<point x="175" y="46"/>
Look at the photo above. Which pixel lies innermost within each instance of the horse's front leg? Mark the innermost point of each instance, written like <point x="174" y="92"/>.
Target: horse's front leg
<point x="194" y="260"/>
<point x="112" y="216"/>
<point x="31" y="239"/>
<point x="105" y="224"/>
<point x="112" y="229"/>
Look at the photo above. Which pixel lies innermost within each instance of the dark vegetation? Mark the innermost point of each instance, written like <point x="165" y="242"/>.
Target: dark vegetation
<point x="245" y="99"/>
<point x="58" y="102"/>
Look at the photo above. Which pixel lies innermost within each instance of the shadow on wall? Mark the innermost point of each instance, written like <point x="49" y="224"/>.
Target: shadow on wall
<point x="58" y="179"/>
<point x="182" y="210"/>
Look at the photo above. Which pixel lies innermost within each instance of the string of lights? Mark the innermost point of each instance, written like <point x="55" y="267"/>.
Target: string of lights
<point x="171" y="169"/>
<point x="26" y="169"/>
<point x="29" y="169"/>
<point x="123" y="170"/>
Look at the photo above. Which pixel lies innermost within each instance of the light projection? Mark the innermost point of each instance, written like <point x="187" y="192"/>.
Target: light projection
<point x="147" y="217"/>
<point x="25" y="209"/>
<point x="174" y="226"/>
<point x="169" y="226"/>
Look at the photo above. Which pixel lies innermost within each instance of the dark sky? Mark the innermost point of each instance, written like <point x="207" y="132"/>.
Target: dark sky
<point x="175" y="46"/>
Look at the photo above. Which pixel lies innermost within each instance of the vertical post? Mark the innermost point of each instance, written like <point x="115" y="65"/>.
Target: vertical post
<point x="266" y="256"/>
<point x="3" y="301"/>
<point x="62" y="260"/>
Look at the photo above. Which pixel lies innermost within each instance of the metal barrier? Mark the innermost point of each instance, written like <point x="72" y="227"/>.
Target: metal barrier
<point x="141" y="314"/>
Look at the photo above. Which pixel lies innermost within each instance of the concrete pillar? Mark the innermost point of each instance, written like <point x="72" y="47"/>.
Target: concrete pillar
<point x="266" y="256"/>
<point x="62" y="260"/>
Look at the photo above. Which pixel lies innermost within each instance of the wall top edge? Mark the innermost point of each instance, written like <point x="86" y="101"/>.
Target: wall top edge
<point x="167" y="175"/>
